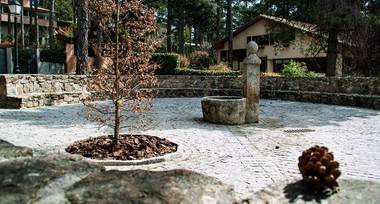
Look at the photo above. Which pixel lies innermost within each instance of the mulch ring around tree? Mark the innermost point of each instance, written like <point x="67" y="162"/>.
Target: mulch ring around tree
<point x="131" y="147"/>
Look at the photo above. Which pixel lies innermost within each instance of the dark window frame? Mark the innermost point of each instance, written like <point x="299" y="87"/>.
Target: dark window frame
<point x="261" y="40"/>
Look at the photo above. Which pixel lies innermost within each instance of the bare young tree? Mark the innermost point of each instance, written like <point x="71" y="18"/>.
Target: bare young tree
<point x="127" y="27"/>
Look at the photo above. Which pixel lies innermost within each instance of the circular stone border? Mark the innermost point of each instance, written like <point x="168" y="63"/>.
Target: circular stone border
<point x="154" y="160"/>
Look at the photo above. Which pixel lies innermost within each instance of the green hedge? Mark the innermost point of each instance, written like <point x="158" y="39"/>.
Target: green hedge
<point x="168" y="62"/>
<point x="53" y="56"/>
<point x="187" y="71"/>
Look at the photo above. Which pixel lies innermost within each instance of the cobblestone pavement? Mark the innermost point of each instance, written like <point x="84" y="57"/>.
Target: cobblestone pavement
<point x="248" y="157"/>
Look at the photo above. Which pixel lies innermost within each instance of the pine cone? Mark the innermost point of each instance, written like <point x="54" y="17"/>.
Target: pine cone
<point x="319" y="169"/>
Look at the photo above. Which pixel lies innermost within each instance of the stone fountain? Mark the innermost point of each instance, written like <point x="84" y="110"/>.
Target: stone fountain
<point x="236" y="110"/>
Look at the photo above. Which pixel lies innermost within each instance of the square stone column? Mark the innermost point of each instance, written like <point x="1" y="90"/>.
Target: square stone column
<point x="251" y="82"/>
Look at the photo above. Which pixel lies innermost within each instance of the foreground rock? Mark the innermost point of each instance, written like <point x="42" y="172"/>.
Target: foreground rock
<point x="178" y="186"/>
<point x="41" y="179"/>
<point x="70" y="179"/>
<point x="350" y="191"/>
<point x="9" y="151"/>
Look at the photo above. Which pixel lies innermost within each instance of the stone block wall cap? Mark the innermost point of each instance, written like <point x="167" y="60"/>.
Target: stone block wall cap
<point x="252" y="59"/>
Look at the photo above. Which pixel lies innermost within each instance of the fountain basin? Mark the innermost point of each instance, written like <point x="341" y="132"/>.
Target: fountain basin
<point x="226" y="110"/>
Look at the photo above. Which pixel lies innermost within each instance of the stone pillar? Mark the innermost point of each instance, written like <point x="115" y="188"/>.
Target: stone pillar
<point x="251" y="78"/>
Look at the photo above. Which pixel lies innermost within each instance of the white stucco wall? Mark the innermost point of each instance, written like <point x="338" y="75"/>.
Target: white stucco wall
<point x="297" y="49"/>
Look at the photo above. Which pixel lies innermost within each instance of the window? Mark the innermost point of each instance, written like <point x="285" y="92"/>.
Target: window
<point x="261" y="40"/>
<point x="239" y="55"/>
<point x="278" y="64"/>
<point x="313" y="64"/>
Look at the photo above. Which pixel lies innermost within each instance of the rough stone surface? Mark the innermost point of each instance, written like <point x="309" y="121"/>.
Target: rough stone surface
<point x="24" y="84"/>
<point x="23" y="91"/>
<point x="350" y="191"/>
<point x="365" y="101"/>
<point x="249" y="157"/>
<point x="177" y="186"/>
<point x="8" y="150"/>
<point x="352" y="91"/>
<point x="26" y="91"/>
<point x="41" y="180"/>
<point x="58" y="178"/>
<point x="224" y="110"/>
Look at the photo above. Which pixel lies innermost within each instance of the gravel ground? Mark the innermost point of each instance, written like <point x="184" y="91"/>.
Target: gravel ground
<point x="249" y="157"/>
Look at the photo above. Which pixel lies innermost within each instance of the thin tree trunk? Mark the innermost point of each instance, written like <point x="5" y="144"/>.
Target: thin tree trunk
<point x="332" y="53"/>
<point x="181" y="34"/>
<point x="190" y="40"/>
<point x="33" y="61"/>
<point x="201" y="37"/>
<point x="169" y="24"/>
<point x="31" y="14"/>
<point x="229" y="33"/>
<point x="9" y="24"/>
<point x="36" y="28"/>
<point x="1" y="26"/>
<point x="118" y="102"/>
<point x="82" y="36"/>
<point x="99" y="38"/>
<point x="218" y="19"/>
<point x="51" y="24"/>
<point x="22" y="25"/>
<point x="36" y="36"/>
<point x="196" y="37"/>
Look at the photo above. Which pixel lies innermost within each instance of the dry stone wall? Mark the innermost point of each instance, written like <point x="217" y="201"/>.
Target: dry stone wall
<point x="354" y="91"/>
<point x="23" y="91"/>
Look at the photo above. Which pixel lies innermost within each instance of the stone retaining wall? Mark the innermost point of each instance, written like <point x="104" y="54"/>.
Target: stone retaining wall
<point x="25" y="91"/>
<point x="199" y="86"/>
<point x="22" y="91"/>
<point x="355" y="91"/>
<point x="358" y="91"/>
<point x="349" y="85"/>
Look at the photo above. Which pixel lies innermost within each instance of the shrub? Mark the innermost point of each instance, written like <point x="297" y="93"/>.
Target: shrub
<point x="168" y="62"/>
<point x="183" y="61"/>
<point x="53" y="56"/>
<point x="297" y="69"/>
<point x="220" y="67"/>
<point x="187" y="71"/>
<point x="270" y="74"/>
<point x="199" y="60"/>
<point x="25" y="59"/>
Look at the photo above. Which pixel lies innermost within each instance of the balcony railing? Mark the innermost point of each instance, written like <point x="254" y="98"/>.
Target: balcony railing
<point x="40" y="22"/>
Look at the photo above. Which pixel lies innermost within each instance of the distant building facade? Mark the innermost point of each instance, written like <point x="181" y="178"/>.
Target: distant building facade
<point x="273" y="59"/>
<point x="7" y="31"/>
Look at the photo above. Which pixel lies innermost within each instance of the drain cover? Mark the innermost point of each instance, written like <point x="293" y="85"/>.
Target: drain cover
<point x="299" y="130"/>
